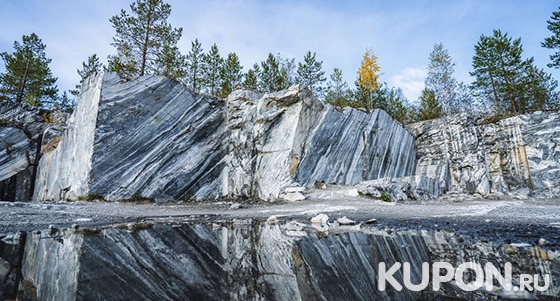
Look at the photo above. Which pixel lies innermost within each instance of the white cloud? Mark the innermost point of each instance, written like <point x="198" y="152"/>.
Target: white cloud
<point x="411" y="81"/>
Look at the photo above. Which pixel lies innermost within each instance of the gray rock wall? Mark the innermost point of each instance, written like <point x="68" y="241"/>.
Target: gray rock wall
<point x="21" y="129"/>
<point x="467" y="155"/>
<point x="351" y="146"/>
<point x="152" y="138"/>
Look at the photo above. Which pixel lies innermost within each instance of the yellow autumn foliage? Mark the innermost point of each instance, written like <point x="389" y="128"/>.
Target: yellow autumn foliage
<point x="368" y="74"/>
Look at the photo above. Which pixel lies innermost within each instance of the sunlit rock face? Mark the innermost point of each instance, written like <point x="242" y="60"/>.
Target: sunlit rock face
<point x="251" y="260"/>
<point x="149" y="137"/>
<point x="290" y="138"/>
<point x="152" y="138"/>
<point x="469" y="155"/>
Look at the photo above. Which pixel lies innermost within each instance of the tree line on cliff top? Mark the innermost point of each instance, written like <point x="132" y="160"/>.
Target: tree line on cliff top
<point x="505" y="83"/>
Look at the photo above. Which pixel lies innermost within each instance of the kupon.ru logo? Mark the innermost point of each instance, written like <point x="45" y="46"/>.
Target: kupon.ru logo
<point x="444" y="272"/>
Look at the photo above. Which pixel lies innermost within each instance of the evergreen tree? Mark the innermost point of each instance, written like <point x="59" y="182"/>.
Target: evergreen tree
<point x="429" y="108"/>
<point x="540" y="90"/>
<point x="440" y="79"/>
<point x="211" y="70"/>
<point x="287" y="72"/>
<point x="231" y="74"/>
<point x="92" y="66"/>
<point x="553" y="42"/>
<point x="171" y="63"/>
<point x="195" y="67"/>
<point x="251" y="78"/>
<point x="27" y="75"/>
<point x="65" y="103"/>
<point x="398" y="107"/>
<point x="143" y="39"/>
<point x="270" y="76"/>
<point x="338" y="92"/>
<point x="310" y="73"/>
<point x="505" y="79"/>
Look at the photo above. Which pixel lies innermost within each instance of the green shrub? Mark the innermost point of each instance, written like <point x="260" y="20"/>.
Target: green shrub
<point x="385" y="197"/>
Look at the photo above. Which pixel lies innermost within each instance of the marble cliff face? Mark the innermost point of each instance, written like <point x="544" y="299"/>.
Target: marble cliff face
<point x="464" y="154"/>
<point x="151" y="137"/>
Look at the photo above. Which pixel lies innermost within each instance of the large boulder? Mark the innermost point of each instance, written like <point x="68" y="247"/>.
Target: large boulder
<point x="153" y="138"/>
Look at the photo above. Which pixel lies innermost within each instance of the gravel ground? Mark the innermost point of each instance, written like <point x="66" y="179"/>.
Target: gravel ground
<point x="518" y="221"/>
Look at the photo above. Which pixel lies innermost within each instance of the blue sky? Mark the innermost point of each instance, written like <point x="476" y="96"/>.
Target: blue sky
<point x="401" y="33"/>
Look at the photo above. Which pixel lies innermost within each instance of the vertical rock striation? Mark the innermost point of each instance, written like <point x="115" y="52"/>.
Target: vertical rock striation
<point x="468" y="155"/>
<point x="351" y="146"/>
<point x="152" y="138"/>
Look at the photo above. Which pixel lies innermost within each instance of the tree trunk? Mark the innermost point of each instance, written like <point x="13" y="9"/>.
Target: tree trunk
<point x="19" y="96"/>
<point x="145" y="44"/>
<point x="495" y="92"/>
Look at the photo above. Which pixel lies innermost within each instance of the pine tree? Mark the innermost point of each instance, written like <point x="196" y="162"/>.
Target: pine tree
<point x="211" y="70"/>
<point x="398" y="107"/>
<point x="195" y="66"/>
<point x="310" y="73"/>
<point x="505" y="79"/>
<point x="65" y="103"/>
<point x="251" y="78"/>
<point x="90" y="67"/>
<point x="430" y="108"/>
<point x="171" y="63"/>
<point x="287" y="73"/>
<point x="143" y="39"/>
<point x="553" y="42"/>
<point x="540" y="90"/>
<point x="367" y="82"/>
<point x="231" y="74"/>
<point x="338" y="92"/>
<point x="27" y="75"/>
<point x="440" y="79"/>
<point x="270" y="78"/>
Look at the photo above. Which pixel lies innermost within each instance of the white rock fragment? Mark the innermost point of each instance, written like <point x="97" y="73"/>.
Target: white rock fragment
<point x="294" y="226"/>
<point x="320" y="219"/>
<point x="272" y="219"/>
<point x="345" y="221"/>
<point x="292" y="196"/>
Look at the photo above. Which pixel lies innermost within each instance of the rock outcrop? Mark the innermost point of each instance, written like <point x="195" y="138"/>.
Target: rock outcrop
<point x="21" y="129"/>
<point x="290" y="138"/>
<point x="149" y="137"/>
<point x="251" y="260"/>
<point x="152" y="138"/>
<point x="466" y="154"/>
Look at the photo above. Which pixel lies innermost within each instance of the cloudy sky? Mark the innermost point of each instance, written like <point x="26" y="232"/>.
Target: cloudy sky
<point x="401" y="33"/>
